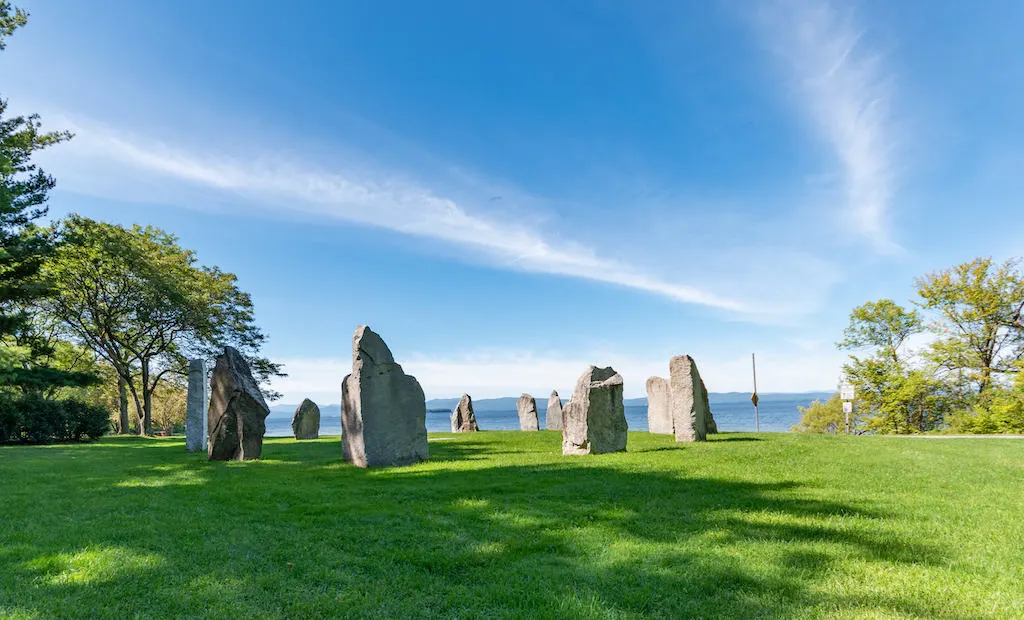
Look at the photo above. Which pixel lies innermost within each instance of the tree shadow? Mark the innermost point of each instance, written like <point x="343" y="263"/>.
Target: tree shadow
<point x="302" y="534"/>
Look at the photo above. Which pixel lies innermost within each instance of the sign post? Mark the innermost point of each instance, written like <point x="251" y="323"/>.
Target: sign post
<point x="847" y="393"/>
<point x="753" y="397"/>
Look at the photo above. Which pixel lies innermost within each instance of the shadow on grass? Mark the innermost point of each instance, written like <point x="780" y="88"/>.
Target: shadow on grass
<point x="301" y="534"/>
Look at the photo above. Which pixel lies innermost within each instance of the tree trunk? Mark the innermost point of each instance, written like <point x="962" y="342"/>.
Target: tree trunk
<point x="147" y="399"/>
<point x="122" y="403"/>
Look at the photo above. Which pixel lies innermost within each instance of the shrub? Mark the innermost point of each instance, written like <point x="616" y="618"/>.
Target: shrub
<point x="822" y="417"/>
<point x="33" y="419"/>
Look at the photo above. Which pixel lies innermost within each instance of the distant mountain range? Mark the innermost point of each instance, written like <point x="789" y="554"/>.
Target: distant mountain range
<point x="508" y="403"/>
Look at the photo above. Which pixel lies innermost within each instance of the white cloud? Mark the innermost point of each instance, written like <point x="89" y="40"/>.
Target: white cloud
<point x="490" y="375"/>
<point x="381" y="202"/>
<point x="844" y="88"/>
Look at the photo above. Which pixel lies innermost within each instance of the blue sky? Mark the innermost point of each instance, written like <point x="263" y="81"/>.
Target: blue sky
<point x="508" y="192"/>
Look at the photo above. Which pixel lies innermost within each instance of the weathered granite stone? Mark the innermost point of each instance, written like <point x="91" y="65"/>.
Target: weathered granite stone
<point x="659" y="416"/>
<point x="554" y="413"/>
<point x="306" y="421"/>
<point x="528" y="420"/>
<point x="712" y="426"/>
<point x="237" y="411"/>
<point x="688" y="400"/>
<point x="383" y="412"/>
<point x="195" y="408"/>
<point x="595" y="417"/>
<point x="463" y="418"/>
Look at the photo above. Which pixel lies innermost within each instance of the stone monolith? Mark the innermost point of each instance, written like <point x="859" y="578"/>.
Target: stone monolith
<point x="595" y="417"/>
<point x="383" y="412"/>
<point x="195" y="406"/>
<point x="659" y="416"/>
<point x="306" y="421"/>
<point x="554" y="413"/>
<point x="688" y="400"/>
<point x="463" y="418"/>
<point x="527" y="407"/>
<point x="237" y="414"/>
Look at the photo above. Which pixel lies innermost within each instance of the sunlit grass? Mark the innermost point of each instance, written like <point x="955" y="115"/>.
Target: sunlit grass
<point x="500" y="524"/>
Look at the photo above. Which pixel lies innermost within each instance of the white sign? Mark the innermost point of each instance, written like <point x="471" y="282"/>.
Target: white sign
<point x="846" y="391"/>
<point x="847" y="407"/>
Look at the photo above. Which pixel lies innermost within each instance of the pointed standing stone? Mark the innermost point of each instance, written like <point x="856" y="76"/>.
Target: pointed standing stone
<point x="527" y="407"/>
<point x="554" y="413"/>
<point x="306" y="421"/>
<point x="238" y="413"/>
<point x="196" y="403"/>
<point x="595" y="417"/>
<point x="688" y="399"/>
<point x="383" y="412"/>
<point x="463" y="418"/>
<point x="659" y="416"/>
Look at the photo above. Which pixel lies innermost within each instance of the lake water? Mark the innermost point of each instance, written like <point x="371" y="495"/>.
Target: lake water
<point x="733" y="412"/>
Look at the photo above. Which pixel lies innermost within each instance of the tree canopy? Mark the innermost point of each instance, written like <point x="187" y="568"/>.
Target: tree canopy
<point x="142" y="302"/>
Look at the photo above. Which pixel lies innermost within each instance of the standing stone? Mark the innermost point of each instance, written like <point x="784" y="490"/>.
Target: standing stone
<point x="463" y="418"/>
<point x="554" y="414"/>
<point x="195" y="409"/>
<point x="595" y="417"/>
<point x="383" y="412"/>
<point x="659" y="416"/>
<point x="527" y="407"/>
<point x="238" y="413"/>
<point x="306" y="421"/>
<point x="712" y="426"/>
<point x="688" y="399"/>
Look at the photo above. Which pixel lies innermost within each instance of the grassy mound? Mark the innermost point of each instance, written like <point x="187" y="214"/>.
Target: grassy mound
<point x="500" y="524"/>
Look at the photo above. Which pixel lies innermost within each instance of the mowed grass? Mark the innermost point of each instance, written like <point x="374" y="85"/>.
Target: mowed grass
<point x="500" y="524"/>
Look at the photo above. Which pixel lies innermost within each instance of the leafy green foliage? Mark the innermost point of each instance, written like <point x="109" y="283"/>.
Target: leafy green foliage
<point x="33" y="419"/>
<point x="978" y="308"/>
<point x="23" y="247"/>
<point x="882" y="325"/>
<point x="11" y="18"/>
<point x="1000" y="410"/>
<point x="822" y="417"/>
<point x="143" y="304"/>
<point x="960" y="379"/>
<point x="892" y="396"/>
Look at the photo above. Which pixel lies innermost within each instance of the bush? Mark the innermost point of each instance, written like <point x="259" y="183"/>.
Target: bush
<point x="822" y="417"/>
<point x="33" y="419"/>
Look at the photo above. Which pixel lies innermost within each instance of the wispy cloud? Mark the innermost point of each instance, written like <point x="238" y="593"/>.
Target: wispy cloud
<point x="383" y="202"/>
<point x="845" y="90"/>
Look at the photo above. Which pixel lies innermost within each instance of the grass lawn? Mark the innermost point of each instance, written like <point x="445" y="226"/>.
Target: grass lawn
<point x="500" y="524"/>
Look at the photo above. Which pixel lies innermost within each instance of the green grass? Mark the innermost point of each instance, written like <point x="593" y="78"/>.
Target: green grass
<point x="500" y="524"/>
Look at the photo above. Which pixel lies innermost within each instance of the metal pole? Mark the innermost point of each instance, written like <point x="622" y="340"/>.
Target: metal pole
<point x="757" y="416"/>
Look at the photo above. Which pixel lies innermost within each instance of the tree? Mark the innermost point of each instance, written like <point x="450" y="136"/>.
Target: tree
<point x="822" y="417"/>
<point x="978" y="306"/>
<point x="883" y="326"/>
<point x="10" y="21"/>
<point x="24" y="189"/>
<point x="893" y="396"/>
<point x="140" y="301"/>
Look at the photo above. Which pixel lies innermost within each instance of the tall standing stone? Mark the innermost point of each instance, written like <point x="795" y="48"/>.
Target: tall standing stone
<point x="595" y="417"/>
<point x="527" y="407"/>
<point x="383" y="412"/>
<point x="306" y="421"/>
<point x="712" y="425"/>
<point x="659" y="416"/>
<point x="195" y="407"/>
<point x="238" y="413"/>
<point x="463" y="418"/>
<point x="554" y="413"/>
<point x="688" y="400"/>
